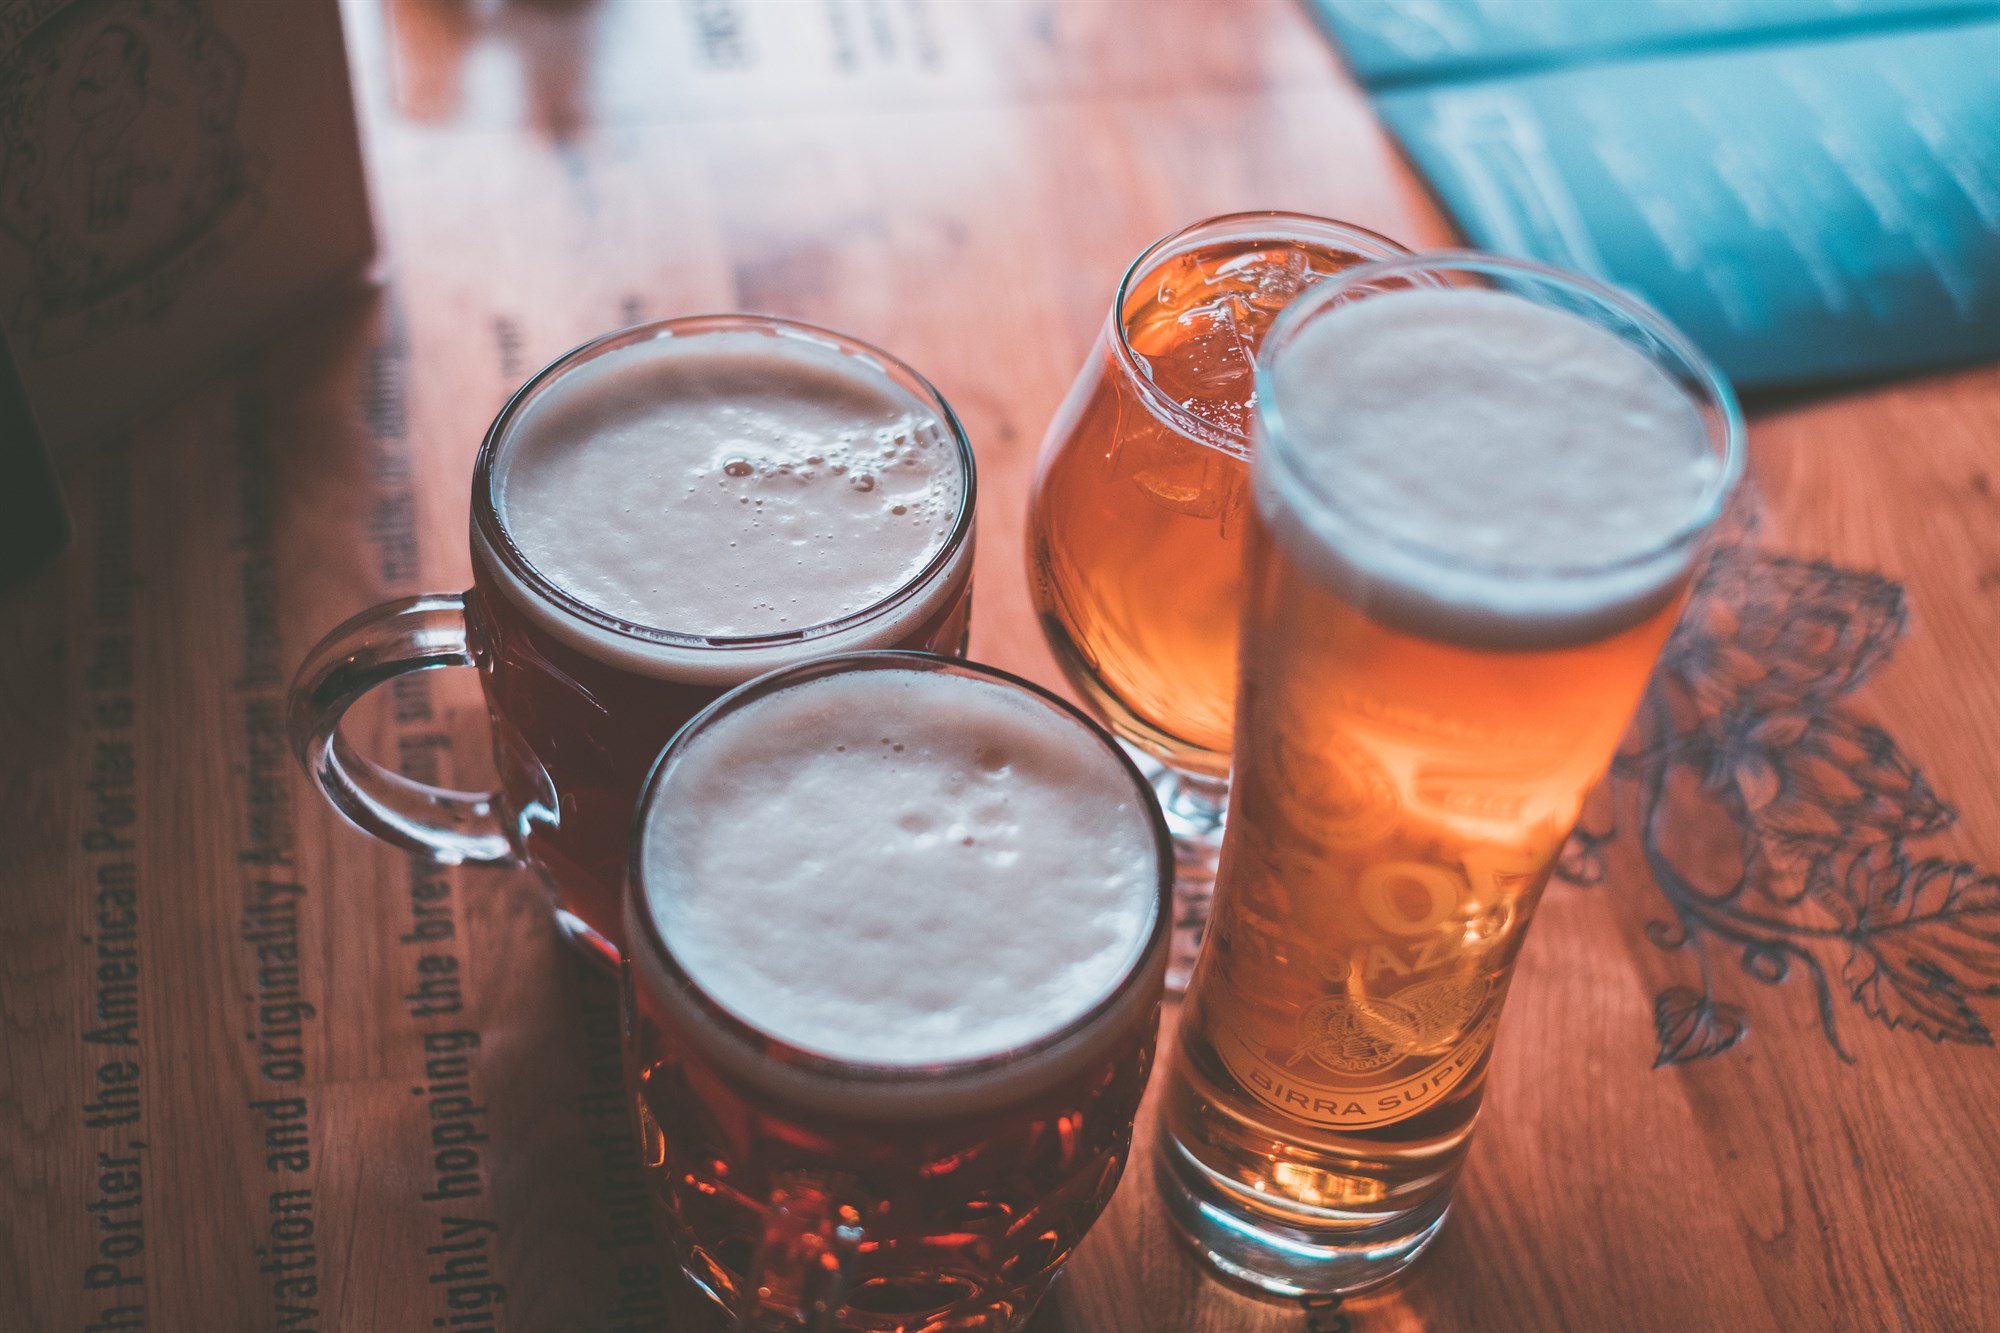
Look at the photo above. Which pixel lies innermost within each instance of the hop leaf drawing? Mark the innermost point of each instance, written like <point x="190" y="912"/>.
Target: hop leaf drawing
<point x="1925" y="947"/>
<point x="1691" y="1026"/>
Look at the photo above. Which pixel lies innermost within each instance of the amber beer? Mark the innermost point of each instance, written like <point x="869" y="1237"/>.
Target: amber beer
<point x="898" y="936"/>
<point x="1478" y="506"/>
<point x="1139" y="510"/>
<point x="657" y="517"/>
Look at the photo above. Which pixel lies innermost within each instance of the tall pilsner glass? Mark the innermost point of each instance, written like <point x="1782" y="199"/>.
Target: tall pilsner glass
<point x="1480" y="494"/>
<point x="1139" y="508"/>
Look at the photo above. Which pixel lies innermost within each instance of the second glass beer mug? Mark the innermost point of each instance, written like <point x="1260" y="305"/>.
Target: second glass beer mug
<point x="1480" y="496"/>
<point x="657" y="517"/>
<point x="1136" y="525"/>
<point x="898" y="928"/>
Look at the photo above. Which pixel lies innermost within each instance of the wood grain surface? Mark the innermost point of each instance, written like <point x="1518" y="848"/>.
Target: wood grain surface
<point x="259" y="1072"/>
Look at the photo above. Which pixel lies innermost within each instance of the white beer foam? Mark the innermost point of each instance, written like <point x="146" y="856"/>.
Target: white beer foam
<point x="902" y="868"/>
<point x="1474" y="467"/>
<point x="727" y="484"/>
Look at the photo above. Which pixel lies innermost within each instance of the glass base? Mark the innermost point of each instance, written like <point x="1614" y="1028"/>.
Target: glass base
<point x="999" y="1311"/>
<point x="1282" y="1259"/>
<point x="1196" y="808"/>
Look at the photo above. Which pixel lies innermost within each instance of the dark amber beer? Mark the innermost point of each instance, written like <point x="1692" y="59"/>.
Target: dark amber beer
<point x="1480" y="494"/>
<point x="898" y="930"/>
<point x="657" y="517"/>
<point x="1136" y="525"/>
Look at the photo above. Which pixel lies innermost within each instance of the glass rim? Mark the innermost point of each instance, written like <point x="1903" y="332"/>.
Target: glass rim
<point x="763" y="1044"/>
<point x="489" y="526"/>
<point x="1277" y="225"/>
<point x="1697" y="376"/>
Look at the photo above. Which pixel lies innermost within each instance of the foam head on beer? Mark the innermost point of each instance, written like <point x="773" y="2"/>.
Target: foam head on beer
<point x="730" y="483"/>
<point x="1480" y="468"/>
<point x="902" y="867"/>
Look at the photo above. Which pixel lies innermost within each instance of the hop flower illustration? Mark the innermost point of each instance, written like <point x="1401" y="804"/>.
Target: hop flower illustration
<point x="1749" y="741"/>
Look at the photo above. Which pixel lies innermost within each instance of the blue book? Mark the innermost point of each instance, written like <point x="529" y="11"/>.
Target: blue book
<point x="1396" y="41"/>
<point x="1809" y="208"/>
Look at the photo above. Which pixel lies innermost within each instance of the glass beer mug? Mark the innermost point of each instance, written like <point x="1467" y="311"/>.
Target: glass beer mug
<point x="657" y="517"/>
<point x="898" y="932"/>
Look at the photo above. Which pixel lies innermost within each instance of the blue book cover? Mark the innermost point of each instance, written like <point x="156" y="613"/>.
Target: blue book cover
<point x="1395" y="41"/>
<point x="1804" y="213"/>
<point x="1806" y="208"/>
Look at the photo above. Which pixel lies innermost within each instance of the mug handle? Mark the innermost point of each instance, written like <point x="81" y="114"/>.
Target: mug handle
<point x="383" y="642"/>
<point x="798" y="1279"/>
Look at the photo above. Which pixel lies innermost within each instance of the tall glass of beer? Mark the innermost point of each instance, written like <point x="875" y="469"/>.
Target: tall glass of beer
<point x="1135" y="528"/>
<point x="898" y="932"/>
<point x="657" y="517"/>
<point x="1480" y="489"/>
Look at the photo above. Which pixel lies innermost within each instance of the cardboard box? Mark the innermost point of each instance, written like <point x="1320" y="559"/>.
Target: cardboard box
<point x="175" y="177"/>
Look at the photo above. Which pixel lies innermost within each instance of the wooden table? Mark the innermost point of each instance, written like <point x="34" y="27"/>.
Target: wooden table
<point x="1773" y="1108"/>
